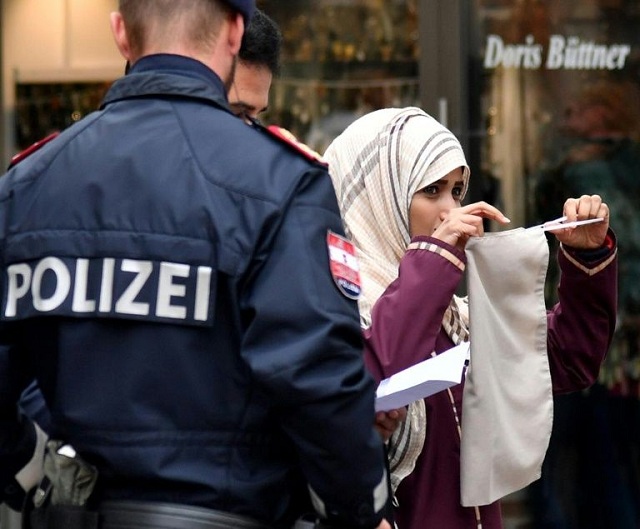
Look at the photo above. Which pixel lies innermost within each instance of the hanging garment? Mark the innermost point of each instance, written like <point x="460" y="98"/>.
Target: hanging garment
<point x="507" y="401"/>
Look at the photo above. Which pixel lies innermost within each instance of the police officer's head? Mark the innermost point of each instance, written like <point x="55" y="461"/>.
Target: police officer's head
<point x="207" y="30"/>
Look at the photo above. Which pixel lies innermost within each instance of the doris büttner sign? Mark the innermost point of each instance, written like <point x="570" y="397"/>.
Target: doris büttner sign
<point x="560" y="53"/>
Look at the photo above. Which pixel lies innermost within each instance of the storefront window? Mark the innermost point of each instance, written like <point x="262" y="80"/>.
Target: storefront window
<point x="42" y="108"/>
<point x="342" y="59"/>
<point x="555" y="94"/>
<point x="532" y="59"/>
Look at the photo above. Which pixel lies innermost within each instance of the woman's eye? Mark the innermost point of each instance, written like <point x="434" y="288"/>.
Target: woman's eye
<point x="430" y="190"/>
<point x="457" y="192"/>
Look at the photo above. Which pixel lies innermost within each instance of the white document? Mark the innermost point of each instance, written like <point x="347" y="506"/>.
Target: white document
<point x="423" y="379"/>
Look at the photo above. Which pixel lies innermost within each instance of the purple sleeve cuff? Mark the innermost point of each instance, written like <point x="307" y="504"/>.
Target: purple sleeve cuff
<point x="597" y="255"/>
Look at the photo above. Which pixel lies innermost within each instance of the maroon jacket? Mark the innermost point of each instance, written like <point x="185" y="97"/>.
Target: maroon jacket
<point x="406" y="328"/>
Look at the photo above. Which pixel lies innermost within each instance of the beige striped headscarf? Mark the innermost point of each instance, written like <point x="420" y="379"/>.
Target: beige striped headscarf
<point x="377" y="164"/>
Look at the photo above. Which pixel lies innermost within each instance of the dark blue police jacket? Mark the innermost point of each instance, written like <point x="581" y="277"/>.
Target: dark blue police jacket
<point x="165" y="278"/>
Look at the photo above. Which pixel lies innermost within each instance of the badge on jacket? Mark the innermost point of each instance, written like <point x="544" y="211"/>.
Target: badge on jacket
<point x="344" y="265"/>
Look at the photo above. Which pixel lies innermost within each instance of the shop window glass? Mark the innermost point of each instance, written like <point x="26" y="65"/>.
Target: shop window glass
<point x="42" y="108"/>
<point x="530" y="59"/>
<point x="555" y="99"/>
<point x="340" y="60"/>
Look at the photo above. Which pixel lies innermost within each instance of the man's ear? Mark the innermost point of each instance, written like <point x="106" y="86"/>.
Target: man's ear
<point x="120" y="35"/>
<point x="236" y="30"/>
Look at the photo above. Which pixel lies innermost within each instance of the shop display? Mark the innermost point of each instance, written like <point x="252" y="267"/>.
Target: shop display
<point x="341" y="59"/>
<point x="557" y="109"/>
<point x="42" y="108"/>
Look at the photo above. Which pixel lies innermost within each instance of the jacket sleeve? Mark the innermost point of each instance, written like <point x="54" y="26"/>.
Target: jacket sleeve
<point x="21" y="441"/>
<point x="32" y="405"/>
<point x="304" y="346"/>
<point x="407" y="318"/>
<point x="581" y="324"/>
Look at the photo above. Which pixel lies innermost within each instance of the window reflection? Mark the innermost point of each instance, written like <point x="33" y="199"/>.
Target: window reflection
<point x="342" y="59"/>
<point x="556" y="99"/>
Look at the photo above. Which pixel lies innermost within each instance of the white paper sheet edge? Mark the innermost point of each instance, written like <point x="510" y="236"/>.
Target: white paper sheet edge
<point x="423" y="379"/>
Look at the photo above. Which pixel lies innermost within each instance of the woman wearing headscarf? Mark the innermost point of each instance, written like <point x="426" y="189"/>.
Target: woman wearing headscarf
<point x="400" y="178"/>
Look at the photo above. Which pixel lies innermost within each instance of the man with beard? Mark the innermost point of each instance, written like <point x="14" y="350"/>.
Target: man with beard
<point x="258" y="64"/>
<point x="179" y="285"/>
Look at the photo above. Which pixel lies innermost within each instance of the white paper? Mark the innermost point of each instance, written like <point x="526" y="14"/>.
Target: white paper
<point x="423" y="379"/>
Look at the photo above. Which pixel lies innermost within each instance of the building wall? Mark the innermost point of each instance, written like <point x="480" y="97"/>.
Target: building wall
<point x="52" y="41"/>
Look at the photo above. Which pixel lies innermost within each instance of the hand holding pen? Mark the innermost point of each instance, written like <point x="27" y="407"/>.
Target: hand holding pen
<point x="584" y="223"/>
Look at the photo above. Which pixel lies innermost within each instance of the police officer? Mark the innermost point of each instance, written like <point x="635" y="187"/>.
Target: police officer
<point x="179" y="286"/>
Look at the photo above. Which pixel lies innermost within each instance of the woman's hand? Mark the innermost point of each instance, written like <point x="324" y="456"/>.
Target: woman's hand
<point x="387" y="422"/>
<point x="459" y="224"/>
<point x="587" y="236"/>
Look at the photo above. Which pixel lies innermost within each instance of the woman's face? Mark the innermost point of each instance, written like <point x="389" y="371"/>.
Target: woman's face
<point x="430" y="204"/>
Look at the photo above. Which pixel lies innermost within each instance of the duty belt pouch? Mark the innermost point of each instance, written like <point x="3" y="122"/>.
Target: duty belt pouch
<point x="61" y="501"/>
<point x="63" y="517"/>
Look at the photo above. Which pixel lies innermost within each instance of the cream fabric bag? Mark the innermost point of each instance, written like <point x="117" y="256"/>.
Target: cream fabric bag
<point x="507" y="402"/>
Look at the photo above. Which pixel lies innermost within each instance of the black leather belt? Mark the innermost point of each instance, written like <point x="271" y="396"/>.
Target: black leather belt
<point x="139" y="515"/>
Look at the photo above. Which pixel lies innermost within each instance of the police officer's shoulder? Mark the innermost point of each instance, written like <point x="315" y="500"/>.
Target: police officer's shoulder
<point x="22" y="155"/>
<point x="288" y="139"/>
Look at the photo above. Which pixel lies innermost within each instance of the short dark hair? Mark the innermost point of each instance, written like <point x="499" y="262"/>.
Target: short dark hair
<point x="261" y="42"/>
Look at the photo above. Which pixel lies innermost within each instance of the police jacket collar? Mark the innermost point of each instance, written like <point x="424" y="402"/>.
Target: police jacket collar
<point x="155" y="75"/>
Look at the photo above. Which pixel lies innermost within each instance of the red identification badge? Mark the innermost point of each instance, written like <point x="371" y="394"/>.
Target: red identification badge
<point x="291" y="140"/>
<point x="344" y="265"/>
<point x="33" y="148"/>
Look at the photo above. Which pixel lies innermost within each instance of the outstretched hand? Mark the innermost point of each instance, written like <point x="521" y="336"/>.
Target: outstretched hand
<point x="587" y="236"/>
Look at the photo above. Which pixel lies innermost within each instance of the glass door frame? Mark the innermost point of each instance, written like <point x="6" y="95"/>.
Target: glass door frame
<point x="444" y="64"/>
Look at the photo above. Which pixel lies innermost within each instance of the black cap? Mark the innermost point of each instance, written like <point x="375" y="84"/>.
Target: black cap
<point x="245" y="7"/>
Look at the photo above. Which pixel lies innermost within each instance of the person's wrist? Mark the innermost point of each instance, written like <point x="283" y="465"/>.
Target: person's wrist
<point x="591" y="255"/>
